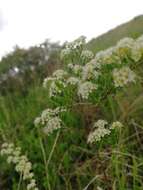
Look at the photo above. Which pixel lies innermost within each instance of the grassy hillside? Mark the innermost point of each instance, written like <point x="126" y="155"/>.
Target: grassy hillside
<point x="133" y="28"/>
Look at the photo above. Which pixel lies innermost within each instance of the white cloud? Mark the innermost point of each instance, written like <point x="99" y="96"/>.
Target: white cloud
<point x="31" y="21"/>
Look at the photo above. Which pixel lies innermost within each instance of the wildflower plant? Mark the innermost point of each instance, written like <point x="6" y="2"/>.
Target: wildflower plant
<point x="89" y="79"/>
<point x="22" y="165"/>
<point x="78" y="92"/>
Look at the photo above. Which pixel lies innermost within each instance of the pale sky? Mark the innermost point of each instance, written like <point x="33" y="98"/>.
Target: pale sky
<point x="29" y="22"/>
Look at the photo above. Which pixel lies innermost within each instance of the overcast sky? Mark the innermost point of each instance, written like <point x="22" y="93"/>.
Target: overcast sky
<point x="28" y="22"/>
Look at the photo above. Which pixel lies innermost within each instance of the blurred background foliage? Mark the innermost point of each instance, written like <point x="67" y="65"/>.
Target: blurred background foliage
<point x="25" y="67"/>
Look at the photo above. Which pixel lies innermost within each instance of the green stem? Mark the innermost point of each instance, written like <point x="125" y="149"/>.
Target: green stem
<point x="112" y="107"/>
<point x="91" y="181"/>
<point x="45" y="160"/>
<point x="20" y="180"/>
<point x="53" y="148"/>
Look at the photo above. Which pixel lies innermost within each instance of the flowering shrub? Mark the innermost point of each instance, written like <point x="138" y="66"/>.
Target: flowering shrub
<point x="91" y="79"/>
<point x="79" y="93"/>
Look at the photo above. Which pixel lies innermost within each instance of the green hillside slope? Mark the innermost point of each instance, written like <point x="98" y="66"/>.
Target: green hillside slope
<point x="133" y="28"/>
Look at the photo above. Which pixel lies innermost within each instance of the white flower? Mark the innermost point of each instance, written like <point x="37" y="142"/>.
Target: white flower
<point x="49" y="113"/>
<point x="86" y="54"/>
<point x="105" y="56"/>
<point x="31" y="185"/>
<point x="72" y="81"/>
<point x="50" y="119"/>
<point x="17" y="151"/>
<point x="140" y="39"/>
<point x="95" y="63"/>
<point x="89" y="72"/>
<point x="137" y="51"/>
<point x="15" y="159"/>
<point x="98" y="134"/>
<point x="125" y="43"/>
<point x="56" y="88"/>
<point x="123" y="76"/>
<point x="46" y="115"/>
<point x="22" y="165"/>
<point x="10" y="159"/>
<point x="70" y="66"/>
<point x="100" y="123"/>
<point x="52" y="125"/>
<point x="99" y="188"/>
<point x="116" y="125"/>
<point x="4" y="145"/>
<point x="76" y="43"/>
<point x="60" y="74"/>
<point x="72" y="46"/>
<point x="37" y="121"/>
<point x="85" y="89"/>
<point x="77" y="68"/>
<point x="47" y="80"/>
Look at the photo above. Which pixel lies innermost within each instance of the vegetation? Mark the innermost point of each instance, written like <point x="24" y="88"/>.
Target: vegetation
<point x="89" y="135"/>
<point x="23" y="67"/>
<point x="131" y="29"/>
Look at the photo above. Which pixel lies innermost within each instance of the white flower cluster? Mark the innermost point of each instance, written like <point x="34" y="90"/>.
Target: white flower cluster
<point x="140" y="39"/>
<point x="137" y="51"/>
<point x="89" y="72"/>
<point x="56" y="87"/>
<point x="125" y="47"/>
<point x="70" y="66"/>
<point x="46" y="81"/>
<point x="57" y="75"/>
<point x="22" y="165"/>
<point x="98" y="134"/>
<point x="60" y="74"/>
<point x="72" y="81"/>
<point x="85" y="89"/>
<point x="95" y="63"/>
<point x="125" y="43"/>
<point x="123" y="76"/>
<point x="52" y="125"/>
<point x="105" y="57"/>
<point x="101" y="130"/>
<point x="50" y="120"/>
<point x="76" y="43"/>
<point x="56" y="83"/>
<point x="100" y="123"/>
<point x="116" y="125"/>
<point x="87" y="55"/>
<point x="72" y="46"/>
<point x="77" y="69"/>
